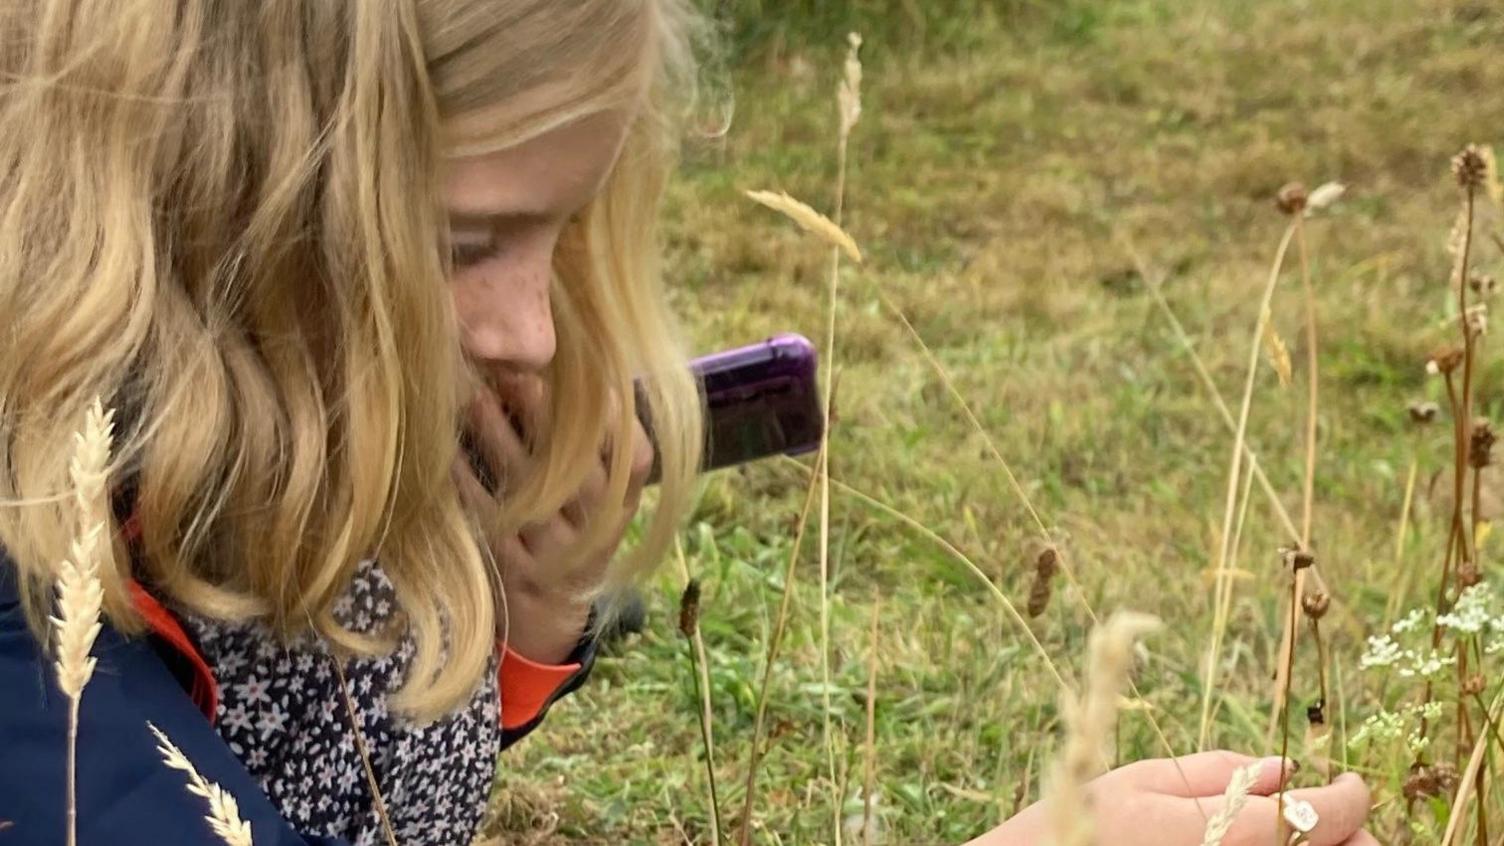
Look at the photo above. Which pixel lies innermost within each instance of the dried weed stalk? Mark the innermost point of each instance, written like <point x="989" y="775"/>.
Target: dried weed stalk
<point x="80" y="592"/>
<point x="1233" y="801"/>
<point x="1089" y="723"/>
<point x="224" y="813"/>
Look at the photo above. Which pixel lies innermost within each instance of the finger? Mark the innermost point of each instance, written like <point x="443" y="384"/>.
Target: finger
<point x="524" y="398"/>
<point x="1201" y="774"/>
<point x="1362" y="838"/>
<point x="643" y="456"/>
<point x="549" y="540"/>
<point x="500" y="444"/>
<point x="1341" y="809"/>
<point x="588" y="501"/>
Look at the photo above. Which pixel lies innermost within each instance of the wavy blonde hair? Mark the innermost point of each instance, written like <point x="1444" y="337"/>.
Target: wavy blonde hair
<point x="226" y="220"/>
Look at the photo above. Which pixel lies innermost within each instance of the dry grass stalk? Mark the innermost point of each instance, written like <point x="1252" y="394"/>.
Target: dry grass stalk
<point x="848" y="99"/>
<point x="810" y="221"/>
<point x="744" y="835"/>
<point x="1458" y="816"/>
<point x="1223" y="590"/>
<point x="689" y="626"/>
<point x="869" y="749"/>
<point x="1233" y="801"/>
<point x="954" y="552"/>
<point x="80" y="593"/>
<point x="1089" y="725"/>
<point x="224" y="813"/>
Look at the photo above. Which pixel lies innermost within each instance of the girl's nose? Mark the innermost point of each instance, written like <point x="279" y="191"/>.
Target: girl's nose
<point x="506" y="317"/>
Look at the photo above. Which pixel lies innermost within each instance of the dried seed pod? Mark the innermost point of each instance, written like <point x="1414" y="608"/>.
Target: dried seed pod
<point x="1316" y="713"/>
<point x="1046" y="565"/>
<point x="1473" y="685"/>
<point x="1470" y="167"/>
<point x="1297" y="559"/>
<point x="1292" y="198"/>
<point x="1316" y="604"/>
<point x="1481" y="448"/>
<point x="689" y="608"/>
<point x="1482" y="284"/>
<point x="1425" y="781"/>
<point x="1444" y="361"/>
<point x="1422" y="413"/>
<point x="1468" y="574"/>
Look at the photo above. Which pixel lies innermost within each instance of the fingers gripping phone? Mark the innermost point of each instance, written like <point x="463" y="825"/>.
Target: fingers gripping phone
<point x="761" y="400"/>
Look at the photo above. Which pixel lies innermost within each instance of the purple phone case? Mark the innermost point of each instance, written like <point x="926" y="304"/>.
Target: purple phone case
<point x="761" y="400"/>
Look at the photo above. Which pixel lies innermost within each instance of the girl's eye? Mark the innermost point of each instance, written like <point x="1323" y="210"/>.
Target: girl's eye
<point x="466" y="254"/>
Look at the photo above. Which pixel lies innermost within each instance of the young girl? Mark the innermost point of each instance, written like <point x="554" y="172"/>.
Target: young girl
<point x="306" y="249"/>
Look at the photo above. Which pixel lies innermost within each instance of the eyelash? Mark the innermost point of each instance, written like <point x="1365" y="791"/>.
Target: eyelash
<point x="469" y="255"/>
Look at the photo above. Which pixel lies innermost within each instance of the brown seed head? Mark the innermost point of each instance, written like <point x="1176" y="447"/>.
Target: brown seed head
<point x="1297" y="559"/>
<point x="1473" y="685"/>
<point x="1470" y="167"/>
<point x="1445" y="360"/>
<point x="1428" y="781"/>
<point x="1482" y="284"/>
<point x="1481" y="449"/>
<point x="1292" y="198"/>
<point x="1316" y="604"/>
<point x="1422" y="413"/>
<point x="1046" y="565"/>
<point x="1468" y="574"/>
<point x="689" y="608"/>
<point x="1316" y="713"/>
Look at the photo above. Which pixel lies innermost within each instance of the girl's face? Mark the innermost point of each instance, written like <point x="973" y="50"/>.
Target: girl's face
<point x="506" y="212"/>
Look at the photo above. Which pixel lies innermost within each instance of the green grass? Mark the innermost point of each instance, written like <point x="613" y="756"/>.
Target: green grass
<point x="1007" y="152"/>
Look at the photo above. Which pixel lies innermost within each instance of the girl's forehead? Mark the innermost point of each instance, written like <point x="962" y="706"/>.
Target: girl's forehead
<point x="555" y="172"/>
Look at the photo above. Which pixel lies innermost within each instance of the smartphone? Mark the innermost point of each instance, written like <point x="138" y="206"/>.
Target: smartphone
<point x="761" y="400"/>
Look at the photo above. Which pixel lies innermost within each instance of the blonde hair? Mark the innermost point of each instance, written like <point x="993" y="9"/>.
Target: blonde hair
<point x="226" y="220"/>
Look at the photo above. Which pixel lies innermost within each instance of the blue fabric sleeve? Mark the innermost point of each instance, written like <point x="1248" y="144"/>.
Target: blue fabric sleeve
<point x="126" y="796"/>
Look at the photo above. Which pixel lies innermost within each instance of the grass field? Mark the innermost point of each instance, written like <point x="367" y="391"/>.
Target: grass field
<point x="1009" y="155"/>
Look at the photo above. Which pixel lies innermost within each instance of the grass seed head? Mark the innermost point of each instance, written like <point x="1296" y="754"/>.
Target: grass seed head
<point x="1292" y="199"/>
<point x="1444" y="361"/>
<point x="1316" y="604"/>
<point x="689" y="608"/>
<point x="1481" y="449"/>
<point x="1424" y="413"/>
<point x="1471" y="167"/>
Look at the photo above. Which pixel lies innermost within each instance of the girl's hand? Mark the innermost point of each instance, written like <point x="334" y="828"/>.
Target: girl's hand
<point x="1157" y="803"/>
<point x="546" y="573"/>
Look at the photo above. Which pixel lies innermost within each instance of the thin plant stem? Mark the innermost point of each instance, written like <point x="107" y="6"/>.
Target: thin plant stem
<point x="365" y="755"/>
<point x="744" y="836"/>
<point x="699" y="668"/>
<point x="73" y="771"/>
<point x="1153" y="285"/>
<point x="870" y="749"/>
<point x="1403" y="588"/>
<point x="1235" y="469"/>
<point x="1284" y="750"/>
<point x="1469" y="777"/>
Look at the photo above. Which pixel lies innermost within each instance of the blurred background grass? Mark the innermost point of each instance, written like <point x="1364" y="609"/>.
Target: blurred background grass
<point x="1008" y="152"/>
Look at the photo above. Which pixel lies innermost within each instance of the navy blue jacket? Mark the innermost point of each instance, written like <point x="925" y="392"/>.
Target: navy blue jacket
<point x="126" y="796"/>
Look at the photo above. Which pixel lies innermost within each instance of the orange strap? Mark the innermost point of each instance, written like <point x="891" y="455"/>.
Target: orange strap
<point x="527" y="687"/>
<point x="203" y="690"/>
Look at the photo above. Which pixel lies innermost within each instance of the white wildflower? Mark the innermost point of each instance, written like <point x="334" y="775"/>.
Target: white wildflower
<point x="1385" y="725"/>
<point x="1427" y="665"/>
<point x="1382" y="652"/>
<point x="1471" y="613"/>
<point x="1410" y="622"/>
